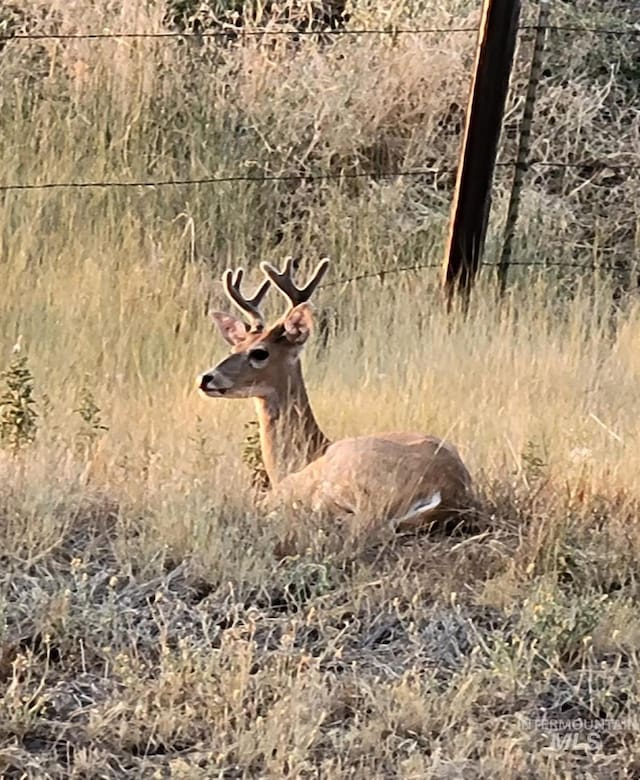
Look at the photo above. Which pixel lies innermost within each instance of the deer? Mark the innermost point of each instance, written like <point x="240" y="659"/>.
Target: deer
<point x="406" y="480"/>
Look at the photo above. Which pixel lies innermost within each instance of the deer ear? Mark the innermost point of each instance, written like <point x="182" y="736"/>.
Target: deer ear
<point x="232" y="329"/>
<point x="298" y="324"/>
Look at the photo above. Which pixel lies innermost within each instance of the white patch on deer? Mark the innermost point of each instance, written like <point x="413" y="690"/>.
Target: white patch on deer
<point x="421" y="506"/>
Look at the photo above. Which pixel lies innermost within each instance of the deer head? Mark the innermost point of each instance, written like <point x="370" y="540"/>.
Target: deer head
<point x="262" y="359"/>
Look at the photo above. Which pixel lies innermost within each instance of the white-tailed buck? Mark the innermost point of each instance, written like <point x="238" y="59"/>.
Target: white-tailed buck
<point x="406" y="479"/>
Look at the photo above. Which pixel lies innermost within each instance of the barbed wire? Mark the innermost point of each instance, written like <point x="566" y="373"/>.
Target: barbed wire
<point x="234" y="32"/>
<point x="619" y="32"/>
<point x="231" y="178"/>
<point x="239" y="32"/>
<point x="264" y="178"/>
<point x="382" y="273"/>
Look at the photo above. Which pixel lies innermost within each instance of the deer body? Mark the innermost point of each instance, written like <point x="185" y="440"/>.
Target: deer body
<point x="406" y="479"/>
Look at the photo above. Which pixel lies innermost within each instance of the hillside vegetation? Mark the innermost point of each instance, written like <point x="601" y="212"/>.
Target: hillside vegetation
<point x="149" y="625"/>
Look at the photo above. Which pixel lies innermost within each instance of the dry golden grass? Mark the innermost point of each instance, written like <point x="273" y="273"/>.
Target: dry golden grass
<point x="146" y="626"/>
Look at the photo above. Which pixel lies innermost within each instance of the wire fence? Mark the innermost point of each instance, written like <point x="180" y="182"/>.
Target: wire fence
<point x="382" y="273"/>
<point x="239" y="32"/>
<point x="267" y="178"/>
<point x="593" y="165"/>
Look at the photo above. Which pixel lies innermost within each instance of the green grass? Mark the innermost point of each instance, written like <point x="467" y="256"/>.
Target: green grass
<point x="150" y="624"/>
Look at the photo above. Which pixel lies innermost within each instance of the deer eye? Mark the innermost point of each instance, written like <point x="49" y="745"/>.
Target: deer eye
<point x="259" y="355"/>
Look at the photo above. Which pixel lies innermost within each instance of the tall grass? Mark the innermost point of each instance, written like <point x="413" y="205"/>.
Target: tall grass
<point x="137" y="568"/>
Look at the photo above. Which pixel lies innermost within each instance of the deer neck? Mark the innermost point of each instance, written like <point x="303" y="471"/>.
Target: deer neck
<point x="290" y="436"/>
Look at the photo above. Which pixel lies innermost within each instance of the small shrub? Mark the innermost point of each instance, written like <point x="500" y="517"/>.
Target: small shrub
<point x="18" y="415"/>
<point x="533" y="462"/>
<point x="252" y="457"/>
<point x="560" y="627"/>
<point x="91" y="416"/>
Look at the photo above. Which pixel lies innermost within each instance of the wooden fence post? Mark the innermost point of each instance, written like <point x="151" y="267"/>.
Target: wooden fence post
<point x="524" y="144"/>
<point x="472" y="196"/>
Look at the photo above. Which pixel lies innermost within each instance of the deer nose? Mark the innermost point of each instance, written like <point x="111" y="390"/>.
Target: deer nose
<point x="212" y="382"/>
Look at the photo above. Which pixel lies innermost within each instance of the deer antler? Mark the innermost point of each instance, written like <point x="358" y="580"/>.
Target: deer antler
<point x="249" y="306"/>
<point x="283" y="280"/>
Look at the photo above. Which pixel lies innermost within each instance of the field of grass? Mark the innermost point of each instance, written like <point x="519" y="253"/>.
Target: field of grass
<point x="147" y="626"/>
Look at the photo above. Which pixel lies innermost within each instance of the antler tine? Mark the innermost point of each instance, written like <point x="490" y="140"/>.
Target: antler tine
<point x="249" y="306"/>
<point x="283" y="280"/>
